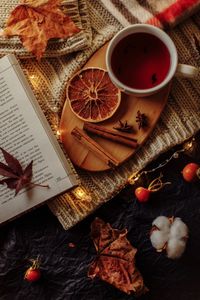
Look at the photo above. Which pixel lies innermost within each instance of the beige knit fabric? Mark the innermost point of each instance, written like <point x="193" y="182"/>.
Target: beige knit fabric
<point x="179" y="121"/>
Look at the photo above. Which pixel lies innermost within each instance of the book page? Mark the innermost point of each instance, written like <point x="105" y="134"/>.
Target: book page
<point x="26" y="135"/>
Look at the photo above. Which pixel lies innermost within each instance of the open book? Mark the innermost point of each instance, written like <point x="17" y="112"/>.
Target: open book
<point x="26" y="134"/>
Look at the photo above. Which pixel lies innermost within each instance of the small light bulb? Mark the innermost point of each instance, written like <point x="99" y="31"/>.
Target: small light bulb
<point x="58" y="132"/>
<point x="133" y="178"/>
<point x="189" y="145"/>
<point x="81" y="194"/>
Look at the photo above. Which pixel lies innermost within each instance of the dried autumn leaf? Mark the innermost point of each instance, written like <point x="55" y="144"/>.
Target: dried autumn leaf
<point x="17" y="178"/>
<point x="35" y="22"/>
<point x="115" y="261"/>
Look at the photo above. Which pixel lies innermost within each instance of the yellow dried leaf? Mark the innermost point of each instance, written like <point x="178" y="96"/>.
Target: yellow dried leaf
<point x="35" y="25"/>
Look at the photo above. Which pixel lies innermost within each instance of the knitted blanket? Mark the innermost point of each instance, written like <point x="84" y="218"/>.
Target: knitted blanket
<point x="179" y="120"/>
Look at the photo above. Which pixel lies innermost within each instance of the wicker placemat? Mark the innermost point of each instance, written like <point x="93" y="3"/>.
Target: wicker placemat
<point x="77" y="10"/>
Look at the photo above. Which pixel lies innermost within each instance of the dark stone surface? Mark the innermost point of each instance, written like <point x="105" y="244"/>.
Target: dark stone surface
<point x="64" y="269"/>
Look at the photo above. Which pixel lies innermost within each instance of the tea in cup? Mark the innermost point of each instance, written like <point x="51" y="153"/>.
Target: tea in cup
<point x="141" y="59"/>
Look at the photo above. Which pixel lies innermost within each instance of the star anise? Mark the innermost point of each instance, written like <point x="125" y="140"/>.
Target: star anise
<point x="141" y="119"/>
<point x="124" y="127"/>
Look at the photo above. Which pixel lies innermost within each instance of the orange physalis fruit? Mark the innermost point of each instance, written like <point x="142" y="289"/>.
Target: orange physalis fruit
<point x="92" y="96"/>
<point x="35" y="22"/>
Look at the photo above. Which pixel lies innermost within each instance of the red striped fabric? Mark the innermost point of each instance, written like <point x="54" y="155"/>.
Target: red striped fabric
<point x="175" y="11"/>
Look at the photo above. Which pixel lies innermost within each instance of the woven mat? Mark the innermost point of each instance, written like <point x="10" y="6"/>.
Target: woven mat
<point x="179" y="121"/>
<point x="77" y="10"/>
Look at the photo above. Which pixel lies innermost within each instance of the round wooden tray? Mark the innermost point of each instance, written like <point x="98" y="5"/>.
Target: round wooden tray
<point x="152" y="106"/>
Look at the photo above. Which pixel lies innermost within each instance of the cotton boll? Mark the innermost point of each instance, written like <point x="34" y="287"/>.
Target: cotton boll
<point x="162" y="223"/>
<point x="178" y="229"/>
<point x="158" y="239"/>
<point x="175" y="248"/>
<point x="171" y="233"/>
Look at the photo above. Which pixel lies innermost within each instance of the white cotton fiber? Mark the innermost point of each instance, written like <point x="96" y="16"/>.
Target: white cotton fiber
<point x="178" y="229"/>
<point x="162" y="223"/>
<point x="175" y="248"/>
<point x="173" y="234"/>
<point x="159" y="239"/>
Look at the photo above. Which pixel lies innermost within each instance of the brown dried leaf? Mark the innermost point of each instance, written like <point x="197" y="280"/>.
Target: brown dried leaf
<point x="115" y="261"/>
<point x="35" y="22"/>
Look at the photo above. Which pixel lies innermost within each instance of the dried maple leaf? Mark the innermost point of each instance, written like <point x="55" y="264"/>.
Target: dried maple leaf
<point x="17" y="178"/>
<point x="115" y="261"/>
<point x="35" y="22"/>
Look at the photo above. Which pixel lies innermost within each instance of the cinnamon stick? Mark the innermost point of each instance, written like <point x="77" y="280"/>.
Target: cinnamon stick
<point x="94" y="147"/>
<point x="110" y="134"/>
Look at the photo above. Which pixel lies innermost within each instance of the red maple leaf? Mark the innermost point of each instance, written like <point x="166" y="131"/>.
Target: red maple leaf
<point x="17" y="178"/>
<point x="115" y="261"/>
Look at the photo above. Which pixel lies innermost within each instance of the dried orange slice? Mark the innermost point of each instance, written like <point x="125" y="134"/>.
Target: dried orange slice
<point x="92" y="95"/>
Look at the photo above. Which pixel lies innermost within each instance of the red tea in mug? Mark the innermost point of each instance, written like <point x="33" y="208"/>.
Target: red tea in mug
<point x="140" y="60"/>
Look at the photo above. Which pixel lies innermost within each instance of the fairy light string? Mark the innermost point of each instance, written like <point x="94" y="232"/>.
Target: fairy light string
<point x="187" y="147"/>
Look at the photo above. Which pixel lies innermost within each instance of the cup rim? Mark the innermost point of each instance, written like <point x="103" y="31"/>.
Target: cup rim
<point x="163" y="36"/>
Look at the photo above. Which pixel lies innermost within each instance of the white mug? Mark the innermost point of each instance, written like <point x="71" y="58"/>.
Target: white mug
<point x="174" y="67"/>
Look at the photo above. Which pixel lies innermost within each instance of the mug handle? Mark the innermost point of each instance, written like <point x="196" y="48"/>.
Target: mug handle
<point x="187" y="71"/>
